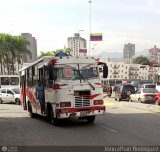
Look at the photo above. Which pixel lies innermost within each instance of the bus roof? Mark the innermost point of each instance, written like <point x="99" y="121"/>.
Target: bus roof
<point x="61" y="60"/>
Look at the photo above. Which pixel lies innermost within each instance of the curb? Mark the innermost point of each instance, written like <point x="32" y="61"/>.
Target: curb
<point x="147" y="107"/>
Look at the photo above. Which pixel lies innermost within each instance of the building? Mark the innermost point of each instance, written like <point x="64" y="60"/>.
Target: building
<point x="32" y="47"/>
<point x="77" y="45"/>
<point x="123" y="71"/>
<point x="128" y="51"/>
<point x="154" y="55"/>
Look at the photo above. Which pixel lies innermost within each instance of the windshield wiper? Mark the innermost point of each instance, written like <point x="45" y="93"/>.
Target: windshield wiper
<point x="81" y="76"/>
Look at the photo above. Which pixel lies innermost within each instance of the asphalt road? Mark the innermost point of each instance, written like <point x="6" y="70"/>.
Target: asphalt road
<point x="122" y="125"/>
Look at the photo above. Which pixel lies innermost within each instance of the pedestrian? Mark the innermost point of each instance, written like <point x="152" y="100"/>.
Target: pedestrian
<point x="110" y="91"/>
<point x="40" y="95"/>
<point x="158" y="79"/>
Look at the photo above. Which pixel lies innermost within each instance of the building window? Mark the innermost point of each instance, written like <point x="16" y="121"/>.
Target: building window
<point x="110" y="76"/>
<point x="110" y="70"/>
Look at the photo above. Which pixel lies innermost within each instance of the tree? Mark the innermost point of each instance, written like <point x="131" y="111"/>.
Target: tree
<point x="141" y="60"/>
<point x="67" y="51"/>
<point x="21" y="48"/>
<point x="11" y="50"/>
<point x="46" y="53"/>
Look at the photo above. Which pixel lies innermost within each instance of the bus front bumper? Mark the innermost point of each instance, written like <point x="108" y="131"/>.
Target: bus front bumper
<point x="80" y="112"/>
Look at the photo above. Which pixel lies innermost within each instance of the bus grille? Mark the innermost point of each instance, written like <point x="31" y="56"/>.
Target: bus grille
<point x="81" y="101"/>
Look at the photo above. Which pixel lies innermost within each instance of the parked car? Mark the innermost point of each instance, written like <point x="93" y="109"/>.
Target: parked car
<point x="124" y="91"/>
<point x="157" y="99"/>
<point x="8" y="95"/>
<point x="145" y="95"/>
<point x="148" y="86"/>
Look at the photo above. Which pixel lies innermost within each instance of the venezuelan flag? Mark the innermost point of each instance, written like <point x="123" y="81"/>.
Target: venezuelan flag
<point x="96" y="37"/>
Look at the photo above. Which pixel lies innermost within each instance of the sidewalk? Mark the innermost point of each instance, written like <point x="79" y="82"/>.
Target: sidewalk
<point x="111" y="103"/>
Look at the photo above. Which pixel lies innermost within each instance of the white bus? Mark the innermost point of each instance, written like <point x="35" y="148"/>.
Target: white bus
<point x="9" y="81"/>
<point x="72" y="87"/>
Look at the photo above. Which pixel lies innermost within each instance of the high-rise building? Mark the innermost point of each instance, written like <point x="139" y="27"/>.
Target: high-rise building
<point x="77" y="45"/>
<point x="32" y="47"/>
<point x="154" y="55"/>
<point x="129" y="50"/>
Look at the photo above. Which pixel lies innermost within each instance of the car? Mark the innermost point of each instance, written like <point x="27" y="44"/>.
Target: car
<point x="9" y="95"/>
<point x="157" y="99"/>
<point x="124" y="91"/>
<point x="148" y="86"/>
<point x="144" y="95"/>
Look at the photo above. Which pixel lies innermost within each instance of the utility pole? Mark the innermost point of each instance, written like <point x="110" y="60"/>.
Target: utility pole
<point x="89" y="25"/>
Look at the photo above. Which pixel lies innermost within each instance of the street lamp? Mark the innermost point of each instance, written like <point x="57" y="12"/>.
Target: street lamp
<point x="89" y="23"/>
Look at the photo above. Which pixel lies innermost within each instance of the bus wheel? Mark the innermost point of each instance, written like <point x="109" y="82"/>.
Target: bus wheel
<point x="54" y="121"/>
<point x="1" y="101"/>
<point x="32" y="115"/>
<point x="17" y="101"/>
<point x="90" y="119"/>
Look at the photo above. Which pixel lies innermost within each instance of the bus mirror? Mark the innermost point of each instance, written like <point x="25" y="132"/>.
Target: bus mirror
<point x="105" y="71"/>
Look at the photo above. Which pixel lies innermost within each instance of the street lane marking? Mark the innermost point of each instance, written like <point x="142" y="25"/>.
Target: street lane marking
<point x="109" y="104"/>
<point x="120" y="104"/>
<point x="106" y="128"/>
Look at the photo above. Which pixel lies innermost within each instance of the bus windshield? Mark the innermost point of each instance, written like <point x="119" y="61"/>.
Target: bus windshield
<point x="76" y="72"/>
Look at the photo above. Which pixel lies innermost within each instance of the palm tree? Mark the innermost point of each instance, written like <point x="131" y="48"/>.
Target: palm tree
<point x="21" y="48"/>
<point x="11" y="49"/>
<point x="2" y="40"/>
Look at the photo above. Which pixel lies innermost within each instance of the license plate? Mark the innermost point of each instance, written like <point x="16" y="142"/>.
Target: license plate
<point x="83" y="113"/>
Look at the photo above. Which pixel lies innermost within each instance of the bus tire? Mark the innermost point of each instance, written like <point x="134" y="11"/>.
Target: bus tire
<point x="54" y="121"/>
<point x="17" y="101"/>
<point x="90" y="119"/>
<point x="32" y="115"/>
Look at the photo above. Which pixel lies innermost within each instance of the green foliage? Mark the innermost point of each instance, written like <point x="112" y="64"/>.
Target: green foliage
<point x="141" y="60"/>
<point x="53" y="53"/>
<point x="11" y="49"/>
<point x="46" y="53"/>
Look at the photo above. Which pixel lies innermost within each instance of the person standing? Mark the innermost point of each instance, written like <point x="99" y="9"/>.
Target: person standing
<point x="110" y="91"/>
<point x="40" y="96"/>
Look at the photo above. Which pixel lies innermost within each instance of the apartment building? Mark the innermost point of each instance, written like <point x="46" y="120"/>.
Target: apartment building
<point x="32" y="47"/>
<point x="78" y="45"/>
<point x="128" y="51"/>
<point x="123" y="70"/>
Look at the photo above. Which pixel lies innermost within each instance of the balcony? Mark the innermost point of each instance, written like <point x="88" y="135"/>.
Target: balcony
<point x="115" y="66"/>
<point x="133" y="69"/>
<point x="115" y="72"/>
<point x="131" y="74"/>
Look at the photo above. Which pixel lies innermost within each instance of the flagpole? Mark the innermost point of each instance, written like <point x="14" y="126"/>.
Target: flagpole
<point x="89" y="26"/>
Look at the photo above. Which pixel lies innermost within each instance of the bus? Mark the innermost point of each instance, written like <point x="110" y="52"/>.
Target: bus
<point x="9" y="81"/>
<point x="71" y="86"/>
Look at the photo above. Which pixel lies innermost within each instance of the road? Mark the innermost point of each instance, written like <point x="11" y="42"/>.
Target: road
<point x="122" y="125"/>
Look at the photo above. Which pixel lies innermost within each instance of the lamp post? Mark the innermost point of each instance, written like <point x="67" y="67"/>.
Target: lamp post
<point x="89" y="24"/>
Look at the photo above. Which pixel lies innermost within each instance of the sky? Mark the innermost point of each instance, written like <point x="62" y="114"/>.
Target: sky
<point x="51" y="22"/>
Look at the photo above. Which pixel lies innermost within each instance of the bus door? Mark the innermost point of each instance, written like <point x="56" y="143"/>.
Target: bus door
<point x="23" y="90"/>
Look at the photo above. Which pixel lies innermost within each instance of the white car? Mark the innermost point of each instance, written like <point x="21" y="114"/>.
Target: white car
<point x="8" y="95"/>
<point x="144" y="95"/>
